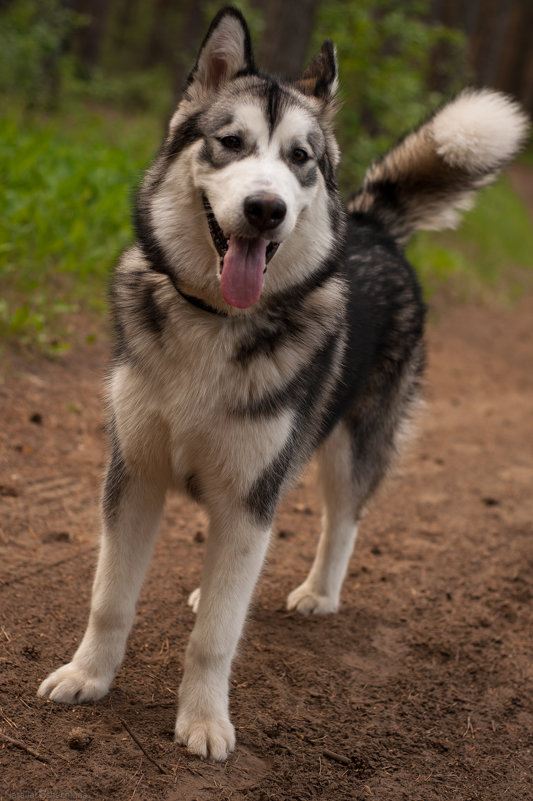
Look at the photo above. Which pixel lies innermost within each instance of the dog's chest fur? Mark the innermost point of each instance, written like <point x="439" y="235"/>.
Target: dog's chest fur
<point x="219" y="394"/>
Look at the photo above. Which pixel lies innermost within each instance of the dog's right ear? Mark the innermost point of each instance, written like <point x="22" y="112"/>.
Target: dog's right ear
<point x="225" y="51"/>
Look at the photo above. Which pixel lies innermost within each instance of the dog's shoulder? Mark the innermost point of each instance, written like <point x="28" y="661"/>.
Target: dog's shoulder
<point x="140" y="300"/>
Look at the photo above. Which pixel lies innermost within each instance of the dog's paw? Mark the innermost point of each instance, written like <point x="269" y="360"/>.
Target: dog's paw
<point x="71" y="684"/>
<point x="206" y="738"/>
<point x="304" y="600"/>
<point x="194" y="599"/>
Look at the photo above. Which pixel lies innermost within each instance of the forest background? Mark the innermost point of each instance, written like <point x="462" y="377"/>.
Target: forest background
<point x="89" y="85"/>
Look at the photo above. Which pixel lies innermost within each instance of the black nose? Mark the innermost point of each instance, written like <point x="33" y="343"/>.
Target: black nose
<point x="264" y="211"/>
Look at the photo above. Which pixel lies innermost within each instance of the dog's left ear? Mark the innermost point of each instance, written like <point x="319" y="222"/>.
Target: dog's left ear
<point x="320" y="79"/>
<point x="225" y="51"/>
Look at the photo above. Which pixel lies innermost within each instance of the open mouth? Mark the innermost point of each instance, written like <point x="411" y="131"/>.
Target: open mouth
<point x="243" y="262"/>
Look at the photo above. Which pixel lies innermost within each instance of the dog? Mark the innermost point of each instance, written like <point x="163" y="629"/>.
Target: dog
<point x="257" y="320"/>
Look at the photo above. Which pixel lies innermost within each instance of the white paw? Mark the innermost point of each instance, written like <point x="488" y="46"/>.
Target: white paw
<point x="194" y="599"/>
<point x="304" y="600"/>
<point x="71" y="684"/>
<point x="213" y="738"/>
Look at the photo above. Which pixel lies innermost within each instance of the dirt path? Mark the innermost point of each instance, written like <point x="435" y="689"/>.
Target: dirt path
<point x="420" y="689"/>
<point x="422" y="684"/>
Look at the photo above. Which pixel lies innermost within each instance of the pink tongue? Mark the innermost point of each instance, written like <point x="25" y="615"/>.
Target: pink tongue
<point x="242" y="271"/>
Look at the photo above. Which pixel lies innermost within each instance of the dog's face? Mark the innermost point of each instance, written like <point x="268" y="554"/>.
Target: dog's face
<point x="258" y="170"/>
<point x="261" y="152"/>
<point x="258" y="173"/>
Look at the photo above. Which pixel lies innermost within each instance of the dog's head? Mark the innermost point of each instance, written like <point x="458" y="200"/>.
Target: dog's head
<point x="257" y="154"/>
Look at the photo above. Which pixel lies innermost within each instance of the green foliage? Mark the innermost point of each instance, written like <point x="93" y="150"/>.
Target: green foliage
<point x="39" y="66"/>
<point x="147" y="91"/>
<point x="385" y="63"/>
<point x="527" y="157"/>
<point x="65" y="189"/>
<point x="33" y="58"/>
<point x="488" y="255"/>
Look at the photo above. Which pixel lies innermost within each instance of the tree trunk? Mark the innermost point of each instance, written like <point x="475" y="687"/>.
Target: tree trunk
<point x="286" y="36"/>
<point x="193" y="29"/>
<point x="88" y="38"/>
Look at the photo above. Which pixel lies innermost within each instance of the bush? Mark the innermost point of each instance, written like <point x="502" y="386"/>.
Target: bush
<point x="33" y="47"/>
<point x="65" y="187"/>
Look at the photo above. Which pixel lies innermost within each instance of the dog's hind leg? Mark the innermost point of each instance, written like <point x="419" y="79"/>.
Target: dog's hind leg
<point x="343" y="499"/>
<point x="352" y="463"/>
<point x="131" y="512"/>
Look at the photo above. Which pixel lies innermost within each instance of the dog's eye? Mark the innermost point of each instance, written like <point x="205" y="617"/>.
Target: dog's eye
<point x="299" y="155"/>
<point x="231" y="142"/>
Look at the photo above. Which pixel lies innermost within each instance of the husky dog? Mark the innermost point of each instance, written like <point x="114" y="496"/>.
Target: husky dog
<point x="258" y="321"/>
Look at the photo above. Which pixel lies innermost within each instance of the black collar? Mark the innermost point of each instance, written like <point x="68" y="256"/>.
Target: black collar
<point x="198" y="302"/>
<point x="194" y="301"/>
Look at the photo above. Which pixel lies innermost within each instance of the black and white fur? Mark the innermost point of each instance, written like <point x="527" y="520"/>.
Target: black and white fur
<point x="227" y="403"/>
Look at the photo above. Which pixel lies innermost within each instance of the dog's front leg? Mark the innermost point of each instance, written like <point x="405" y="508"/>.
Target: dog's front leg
<point x="236" y="548"/>
<point x="131" y="514"/>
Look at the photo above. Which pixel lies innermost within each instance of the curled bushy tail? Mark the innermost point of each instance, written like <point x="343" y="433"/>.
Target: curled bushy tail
<point x="431" y="175"/>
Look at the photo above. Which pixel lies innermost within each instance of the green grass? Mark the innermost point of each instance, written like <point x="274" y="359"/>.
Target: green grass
<point x="65" y="189"/>
<point x="490" y="255"/>
<point x="527" y="156"/>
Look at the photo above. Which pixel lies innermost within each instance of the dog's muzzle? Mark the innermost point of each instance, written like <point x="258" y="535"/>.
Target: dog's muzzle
<point x="221" y="243"/>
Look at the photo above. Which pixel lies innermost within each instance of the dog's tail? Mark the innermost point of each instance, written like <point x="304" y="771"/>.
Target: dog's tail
<point x="431" y="175"/>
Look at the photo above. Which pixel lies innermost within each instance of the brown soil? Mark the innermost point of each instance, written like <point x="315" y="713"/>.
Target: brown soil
<point x="419" y="689"/>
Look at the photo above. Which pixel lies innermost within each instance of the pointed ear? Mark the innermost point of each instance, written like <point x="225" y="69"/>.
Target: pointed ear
<point x="225" y="51"/>
<point x="320" y="78"/>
